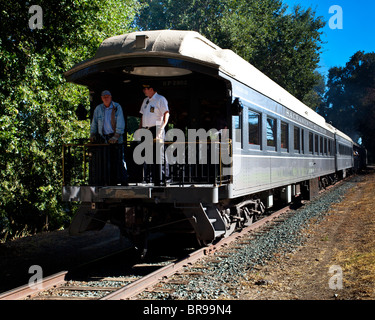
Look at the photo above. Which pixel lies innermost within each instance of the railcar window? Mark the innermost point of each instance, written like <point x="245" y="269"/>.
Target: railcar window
<point x="237" y="127"/>
<point x="316" y="144"/>
<point x="321" y="145"/>
<point x="345" y="150"/>
<point x="303" y="140"/>
<point x="325" y="146"/>
<point x="330" y="147"/>
<point x="271" y="132"/>
<point x="311" y="143"/>
<point x="254" y="128"/>
<point x="297" y="143"/>
<point x="284" y="135"/>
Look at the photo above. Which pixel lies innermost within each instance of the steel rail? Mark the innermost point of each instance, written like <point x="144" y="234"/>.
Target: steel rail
<point x="131" y="290"/>
<point x="138" y="286"/>
<point x="54" y="280"/>
<point x="28" y="290"/>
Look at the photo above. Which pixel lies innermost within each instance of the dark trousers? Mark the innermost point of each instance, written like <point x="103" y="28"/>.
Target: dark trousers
<point x="108" y="163"/>
<point x="159" y="169"/>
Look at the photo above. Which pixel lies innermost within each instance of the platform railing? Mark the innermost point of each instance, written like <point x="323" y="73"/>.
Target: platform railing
<point x="179" y="164"/>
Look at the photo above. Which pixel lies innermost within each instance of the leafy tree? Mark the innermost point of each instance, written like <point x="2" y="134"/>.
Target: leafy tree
<point x="37" y="112"/>
<point x="203" y="16"/>
<point x="351" y="99"/>
<point x="285" y="47"/>
<point x="315" y="98"/>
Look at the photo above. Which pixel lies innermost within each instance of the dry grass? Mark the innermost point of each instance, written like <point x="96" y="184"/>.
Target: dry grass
<point x="345" y="238"/>
<point x="358" y="257"/>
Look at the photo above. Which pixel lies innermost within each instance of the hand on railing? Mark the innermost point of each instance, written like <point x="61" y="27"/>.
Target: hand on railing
<point x="114" y="139"/>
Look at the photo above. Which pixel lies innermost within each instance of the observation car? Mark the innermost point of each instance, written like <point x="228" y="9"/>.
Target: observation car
<point x="264" y="144"/>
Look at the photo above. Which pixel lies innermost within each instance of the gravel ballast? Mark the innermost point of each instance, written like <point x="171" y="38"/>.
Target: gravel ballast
<point x="222" y="277"/>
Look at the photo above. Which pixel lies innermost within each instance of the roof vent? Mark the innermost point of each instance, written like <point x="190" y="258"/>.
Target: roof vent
<point x="140" y="42"/>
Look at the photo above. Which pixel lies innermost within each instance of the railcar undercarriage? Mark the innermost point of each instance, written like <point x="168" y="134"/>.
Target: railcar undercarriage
<point x="137" y="220"/>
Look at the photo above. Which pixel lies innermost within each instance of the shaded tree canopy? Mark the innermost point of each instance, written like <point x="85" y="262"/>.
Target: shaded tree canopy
<point x="350" y="99"/>
<point x="37" y="113"/>
<point x="315" y="98"/>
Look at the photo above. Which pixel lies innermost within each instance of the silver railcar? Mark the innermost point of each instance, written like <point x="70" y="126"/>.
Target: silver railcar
<point x="277" y="147"/>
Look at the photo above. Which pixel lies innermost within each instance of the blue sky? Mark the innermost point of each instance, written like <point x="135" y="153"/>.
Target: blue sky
<point x="357" y="33"/>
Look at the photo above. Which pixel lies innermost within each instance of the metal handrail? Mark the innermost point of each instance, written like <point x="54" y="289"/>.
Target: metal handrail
<point x="86" y="146"/>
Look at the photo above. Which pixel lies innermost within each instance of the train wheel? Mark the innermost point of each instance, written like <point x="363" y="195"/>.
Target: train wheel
<point x="230" y="226"/>
<point x="87" y="219"/>
<point x="202" y="243"/>
<point x="139" y="240"/>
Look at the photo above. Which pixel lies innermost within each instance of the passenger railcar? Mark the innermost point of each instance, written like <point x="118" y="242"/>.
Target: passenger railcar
<point x="277" y="147"/>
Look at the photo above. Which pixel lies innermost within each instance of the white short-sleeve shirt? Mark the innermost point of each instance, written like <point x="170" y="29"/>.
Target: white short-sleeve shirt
<point x="153" y="110"/>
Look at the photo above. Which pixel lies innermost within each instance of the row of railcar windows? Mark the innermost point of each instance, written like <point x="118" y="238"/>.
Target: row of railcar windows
<point x="345" y="150"/>
<point x="316" y="144"/>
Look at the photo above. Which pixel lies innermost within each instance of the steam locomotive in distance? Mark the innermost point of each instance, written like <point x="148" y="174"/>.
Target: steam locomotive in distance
<point x="267" y="146"/>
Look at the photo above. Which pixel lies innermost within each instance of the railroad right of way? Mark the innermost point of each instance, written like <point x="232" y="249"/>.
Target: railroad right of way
<point x="222" y="275"/>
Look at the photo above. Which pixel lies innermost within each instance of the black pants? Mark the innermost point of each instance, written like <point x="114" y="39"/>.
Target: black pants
<point x="108" y="165"/>
<point x="158" y="171"/>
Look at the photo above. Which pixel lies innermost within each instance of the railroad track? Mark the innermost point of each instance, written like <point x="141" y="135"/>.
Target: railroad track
<point x="56" y="287"/>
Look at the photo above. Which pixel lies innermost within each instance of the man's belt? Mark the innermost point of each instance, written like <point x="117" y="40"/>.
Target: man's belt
<point x="108" y="136"/>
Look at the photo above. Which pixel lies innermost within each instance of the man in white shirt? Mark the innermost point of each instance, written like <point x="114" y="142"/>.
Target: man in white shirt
<point x="155" y="116"/>
<point x="155" y="111"/>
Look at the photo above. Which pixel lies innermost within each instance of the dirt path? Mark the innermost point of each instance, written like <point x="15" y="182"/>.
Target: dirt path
<point x="336" y="262"/>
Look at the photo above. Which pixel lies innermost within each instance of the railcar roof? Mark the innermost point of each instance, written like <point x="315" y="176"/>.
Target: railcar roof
<point x="191" y="46"/>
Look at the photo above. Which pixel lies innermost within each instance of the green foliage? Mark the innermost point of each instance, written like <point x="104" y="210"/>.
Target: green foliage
<point x="37" y="105"/>
<point x="286" y="47"/>
<point x="203" y="16"/>
<point x="351" y="99"/>
<point x="315" y="98"/>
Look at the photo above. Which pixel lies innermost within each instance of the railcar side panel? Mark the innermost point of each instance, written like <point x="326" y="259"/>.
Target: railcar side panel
<point x="344" y="153"/>
<point x="278" y="155"/>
